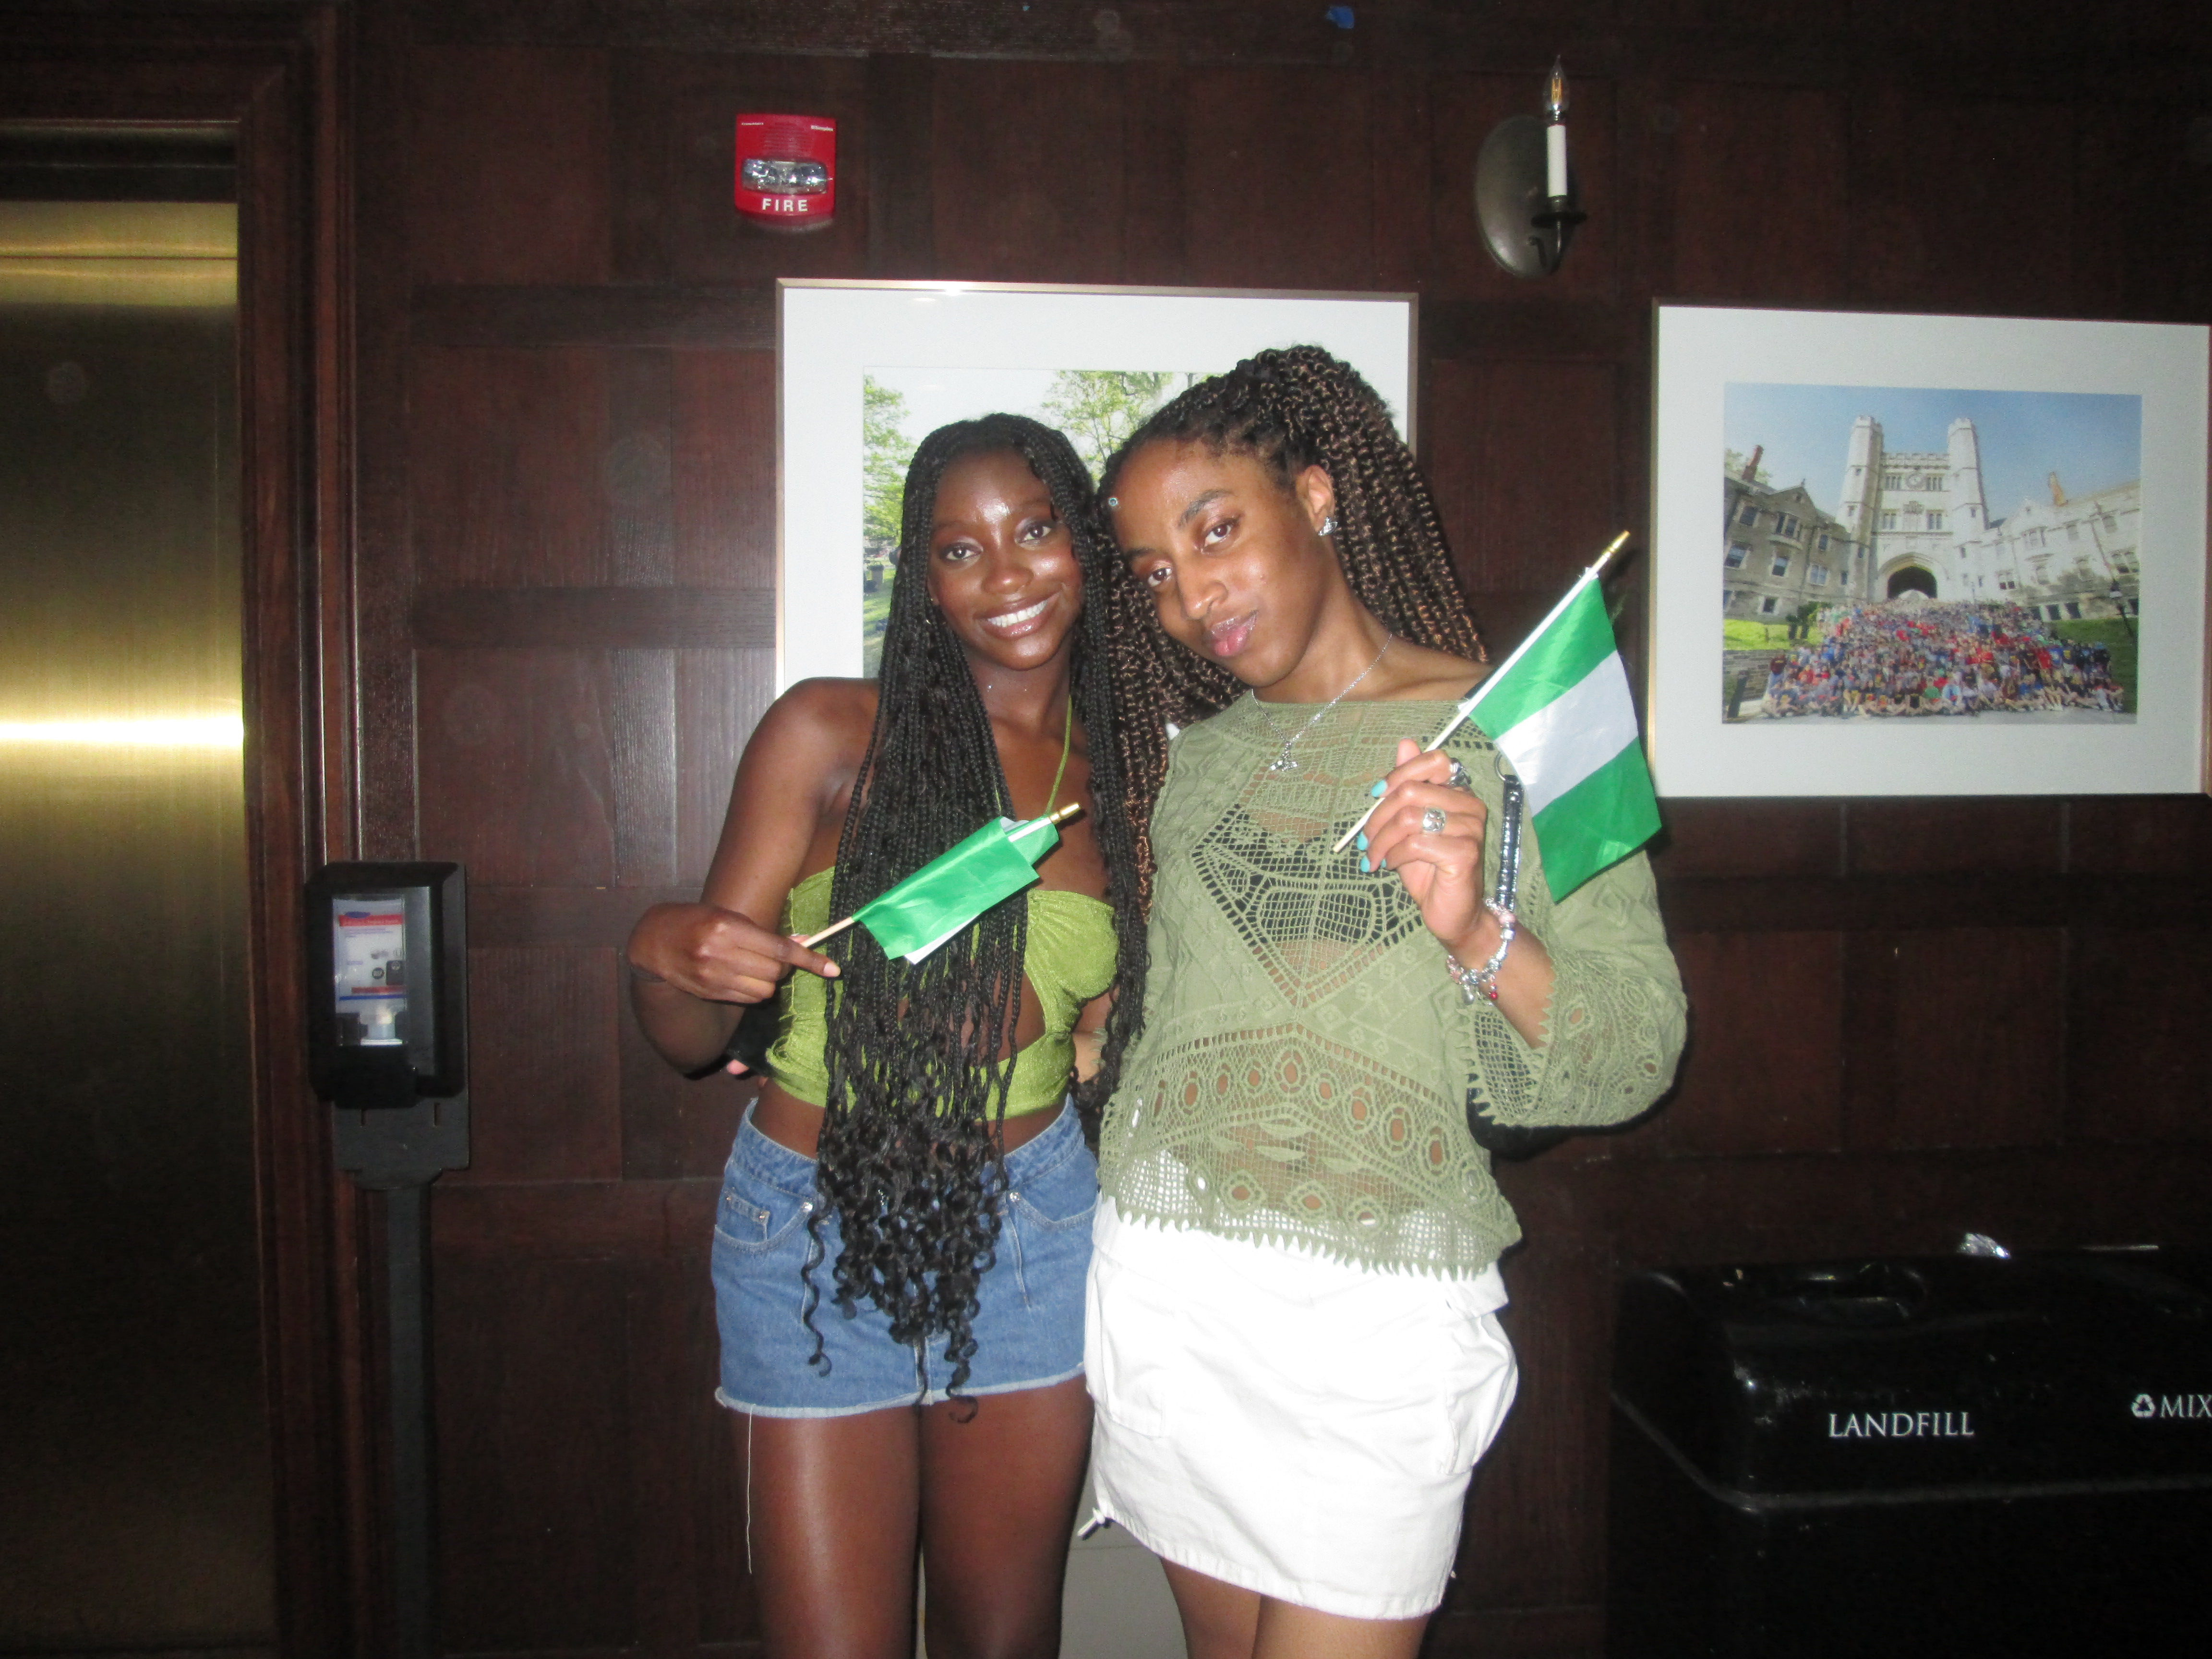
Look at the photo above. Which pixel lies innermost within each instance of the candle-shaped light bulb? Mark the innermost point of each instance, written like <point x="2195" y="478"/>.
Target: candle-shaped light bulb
<point x="1555" y="132"/>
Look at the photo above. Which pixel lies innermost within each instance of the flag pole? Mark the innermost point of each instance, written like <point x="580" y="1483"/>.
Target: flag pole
<point x="1060" y="817"/>
<point x="1589" y="576"/>
<point x="1466" y="704"/>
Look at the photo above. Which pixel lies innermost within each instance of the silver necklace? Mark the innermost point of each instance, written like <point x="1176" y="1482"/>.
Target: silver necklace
<point x="1282" y="763"/>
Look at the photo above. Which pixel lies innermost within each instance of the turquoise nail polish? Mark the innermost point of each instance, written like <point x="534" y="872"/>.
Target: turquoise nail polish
<point x="1377" y="789"/>
<point x="1364" y="866"/>
<point x="1362" y="842"/>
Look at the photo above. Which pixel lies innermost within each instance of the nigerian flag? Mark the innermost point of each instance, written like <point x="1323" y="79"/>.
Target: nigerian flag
<point x="1560" y="710"/>
<point x="950" y="891"/>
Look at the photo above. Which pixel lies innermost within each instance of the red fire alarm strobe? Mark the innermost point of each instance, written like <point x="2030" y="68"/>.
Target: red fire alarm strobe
<point x="787" y="169"/>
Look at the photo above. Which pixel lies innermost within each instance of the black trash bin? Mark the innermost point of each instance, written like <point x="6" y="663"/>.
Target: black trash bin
<point x="1952" y="1455"/>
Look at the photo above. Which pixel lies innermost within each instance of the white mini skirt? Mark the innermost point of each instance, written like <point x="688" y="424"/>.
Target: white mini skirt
<point x="1285" y="1423"/>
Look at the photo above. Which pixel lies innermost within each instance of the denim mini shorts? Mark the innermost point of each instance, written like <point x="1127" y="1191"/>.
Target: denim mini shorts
<point x="1029" y="1327"/>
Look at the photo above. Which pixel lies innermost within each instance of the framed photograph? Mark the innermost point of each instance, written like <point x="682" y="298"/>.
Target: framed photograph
<point x="865" y="370"/>
<point x="1927" y="556"/>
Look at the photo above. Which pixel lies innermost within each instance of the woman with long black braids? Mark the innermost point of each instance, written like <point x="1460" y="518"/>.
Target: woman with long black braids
<point x="1293" y="1346"/>
<point x="904" y="1225"/>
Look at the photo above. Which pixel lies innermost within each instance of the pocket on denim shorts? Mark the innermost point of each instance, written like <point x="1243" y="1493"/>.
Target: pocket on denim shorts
<point x="756" y="1215"/>
<point x="1064" y="1197"/>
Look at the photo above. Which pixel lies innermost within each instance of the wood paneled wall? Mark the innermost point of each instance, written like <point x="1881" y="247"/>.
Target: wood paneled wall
<point x="1910" y="1017"/>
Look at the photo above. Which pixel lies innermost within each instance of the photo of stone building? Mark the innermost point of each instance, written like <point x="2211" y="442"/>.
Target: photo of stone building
<point x="2067" y="558"/>
<point x="1919" y="521"/>
<point x="1924" y="518"/>
<point x="1781" y="551"/>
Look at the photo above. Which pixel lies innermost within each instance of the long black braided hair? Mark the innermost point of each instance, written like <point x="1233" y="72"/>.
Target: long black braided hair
<point x="908" y="1161"/>
<point x="1292" y="408"/>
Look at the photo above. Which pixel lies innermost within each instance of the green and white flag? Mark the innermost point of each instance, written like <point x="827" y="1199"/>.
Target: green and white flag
<point x="1560" y="708"/>
<point x="950" y="891"/>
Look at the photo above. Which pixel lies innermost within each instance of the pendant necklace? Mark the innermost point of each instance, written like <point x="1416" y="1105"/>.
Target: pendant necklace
<point x="1282" y="763"/>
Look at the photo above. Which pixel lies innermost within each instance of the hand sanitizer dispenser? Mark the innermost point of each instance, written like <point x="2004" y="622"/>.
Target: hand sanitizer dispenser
<point x="386" y="947"/>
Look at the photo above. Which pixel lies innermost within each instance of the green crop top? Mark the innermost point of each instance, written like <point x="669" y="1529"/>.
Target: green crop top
<point x="1070" y="960"/>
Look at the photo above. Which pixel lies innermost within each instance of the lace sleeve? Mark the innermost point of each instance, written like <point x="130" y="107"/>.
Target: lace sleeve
<point x="1615" y="1029"/>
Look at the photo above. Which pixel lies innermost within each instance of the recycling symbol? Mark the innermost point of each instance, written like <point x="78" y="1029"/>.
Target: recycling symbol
<point x="2144" y="1406"/>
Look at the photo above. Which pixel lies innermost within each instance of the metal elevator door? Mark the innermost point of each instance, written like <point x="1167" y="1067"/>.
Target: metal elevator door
<point x="135" y="1479"/>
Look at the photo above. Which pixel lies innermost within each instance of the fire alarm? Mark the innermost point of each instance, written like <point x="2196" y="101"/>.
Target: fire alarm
<point x="787" y="169"/>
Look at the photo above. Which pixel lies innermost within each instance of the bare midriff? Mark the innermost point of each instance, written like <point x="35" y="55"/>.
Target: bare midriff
<point x="795" y="1123"/>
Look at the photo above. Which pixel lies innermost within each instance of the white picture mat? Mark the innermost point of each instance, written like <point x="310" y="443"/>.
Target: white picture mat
<point x="829" y="333"/>
<point x="1701" y="350"/>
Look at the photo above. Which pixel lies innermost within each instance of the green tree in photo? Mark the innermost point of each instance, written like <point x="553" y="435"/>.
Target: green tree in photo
<point x="1099" y="407"/>
<point x="886" y="450"/>
<point x="1732" y="464"/>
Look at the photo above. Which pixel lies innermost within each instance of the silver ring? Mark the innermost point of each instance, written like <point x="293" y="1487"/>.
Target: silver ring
<point x="1432" y="821"/>
<point x="1458" y="778"/>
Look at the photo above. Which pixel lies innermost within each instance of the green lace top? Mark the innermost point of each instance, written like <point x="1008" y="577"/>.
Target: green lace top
<point x="1305" y="1065"/>
<point x="1070" y="960"/>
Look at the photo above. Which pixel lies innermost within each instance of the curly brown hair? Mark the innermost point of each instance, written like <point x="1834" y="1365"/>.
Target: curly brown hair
<point x="1292" y="408"/>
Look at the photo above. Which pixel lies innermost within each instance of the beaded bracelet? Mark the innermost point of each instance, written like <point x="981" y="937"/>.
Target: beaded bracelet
<point x="1483" y="981"/>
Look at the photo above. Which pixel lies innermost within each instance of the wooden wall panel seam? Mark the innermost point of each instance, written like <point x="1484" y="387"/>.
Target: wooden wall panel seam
<point x="741" y="317"/>
<point x="596" y="618"/>
<point x="726" y="316"/>
<point x="1922" y="903"/>
<point x="1727" y="1203"/>
<point x="592" y="1220"/>
<point x="1920" y="44"/>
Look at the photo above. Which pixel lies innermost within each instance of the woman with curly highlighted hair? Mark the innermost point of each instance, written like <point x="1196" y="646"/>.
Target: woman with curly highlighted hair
<point x="904" y="1225"/>
<point x="1293" y="1346"/>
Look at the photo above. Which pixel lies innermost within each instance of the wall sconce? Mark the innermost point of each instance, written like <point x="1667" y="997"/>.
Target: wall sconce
<point x="1524" y="192"/>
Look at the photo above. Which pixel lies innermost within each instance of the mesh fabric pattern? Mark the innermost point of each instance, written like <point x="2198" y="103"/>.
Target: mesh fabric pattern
<point x="1305" y="1065"/>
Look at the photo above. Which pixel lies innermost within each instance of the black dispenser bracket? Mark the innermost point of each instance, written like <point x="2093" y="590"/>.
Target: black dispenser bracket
<point x="387" y="1046"/>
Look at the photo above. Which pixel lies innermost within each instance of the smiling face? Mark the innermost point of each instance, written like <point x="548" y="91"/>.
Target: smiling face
<point x="1235" y="563"/>
<point x="1002" y="565"/>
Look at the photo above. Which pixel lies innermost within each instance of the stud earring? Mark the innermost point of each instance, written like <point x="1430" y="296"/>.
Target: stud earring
<point x="1328" y="524"/>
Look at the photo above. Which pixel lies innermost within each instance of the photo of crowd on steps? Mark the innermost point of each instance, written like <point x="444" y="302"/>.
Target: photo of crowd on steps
<point x="1902" y="594"/>
<point x="1913" y="657"/>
